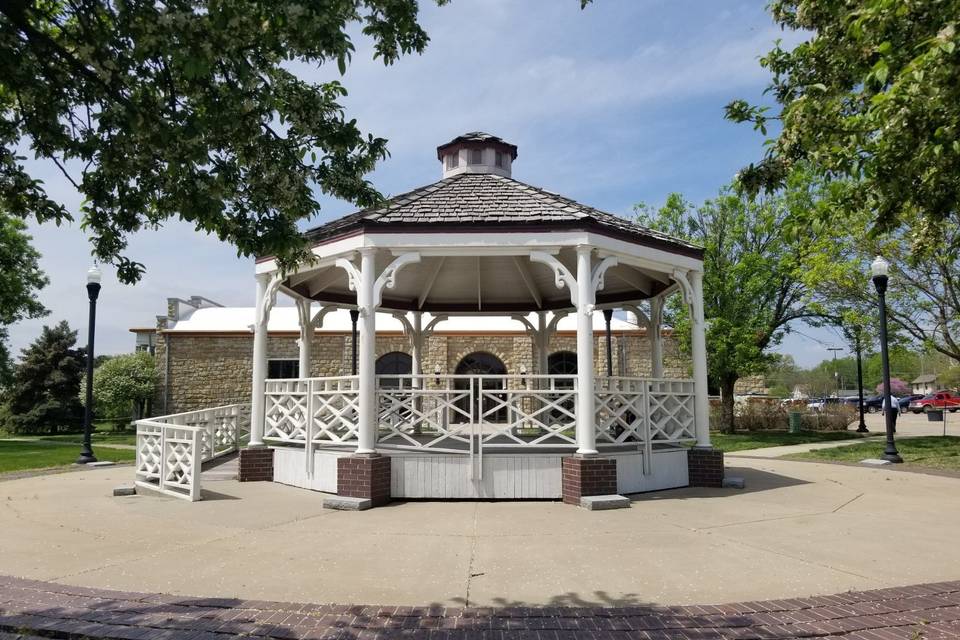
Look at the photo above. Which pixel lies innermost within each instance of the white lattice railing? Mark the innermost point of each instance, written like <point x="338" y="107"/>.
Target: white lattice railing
<point x="172" y="448"/>
<point x="312" y="410"/>
<point x="467" y="413"/>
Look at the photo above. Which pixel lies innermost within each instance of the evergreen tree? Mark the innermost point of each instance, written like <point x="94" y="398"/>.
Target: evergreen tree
<point x="43" y="396"/>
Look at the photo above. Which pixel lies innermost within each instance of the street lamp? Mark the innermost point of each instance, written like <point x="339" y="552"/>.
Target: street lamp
<point x="880" y="269"/>
<point x="93" y="291"/>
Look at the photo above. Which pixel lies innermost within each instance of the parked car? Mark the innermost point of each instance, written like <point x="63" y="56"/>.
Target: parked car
<point x="819" y="404"/>
<point x="906" y="400"/>
<point x="936" y="401"/>
<point x="874" y="404"/>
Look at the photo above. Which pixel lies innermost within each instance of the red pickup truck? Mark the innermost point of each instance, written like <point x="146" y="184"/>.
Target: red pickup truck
<point x="936" y="402"/>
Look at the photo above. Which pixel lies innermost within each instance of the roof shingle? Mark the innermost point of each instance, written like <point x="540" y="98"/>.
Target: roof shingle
<point x="477" y="199"/>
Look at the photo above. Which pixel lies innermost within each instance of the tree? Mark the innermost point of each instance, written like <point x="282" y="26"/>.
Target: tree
<point x="42" y="397"/>
<point x="949" y="379"/>
<point x="753" y="287"/>
<point x="189" y="109"/>
<point x="20" y="280"/>
<point x="873" y="94"/>
<point x="121" y="385"/>
<point x="898" y="387"/>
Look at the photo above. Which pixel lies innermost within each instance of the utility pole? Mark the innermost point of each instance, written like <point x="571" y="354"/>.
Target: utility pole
<point x="836" y="374"/>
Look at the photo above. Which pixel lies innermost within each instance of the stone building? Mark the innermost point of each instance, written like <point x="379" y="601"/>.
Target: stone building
<point x="204" y="350"/>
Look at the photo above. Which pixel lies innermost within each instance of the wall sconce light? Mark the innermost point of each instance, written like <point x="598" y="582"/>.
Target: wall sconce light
<point x="523" y="369"/>
<point x="436" y="373"/>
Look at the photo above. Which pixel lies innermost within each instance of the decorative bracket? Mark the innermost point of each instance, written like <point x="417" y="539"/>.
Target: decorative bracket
<point x="561" y="274"/>
<point x="317" y="319"/>
<point x="680" y="277"/>
<point x="642" y="318"/>
<point x="388" y="278"/>
<point x="353" y="273"/>
<point x="596" y="280"/>
<point x="428" y="330"/>
<point x="269" y="300"/>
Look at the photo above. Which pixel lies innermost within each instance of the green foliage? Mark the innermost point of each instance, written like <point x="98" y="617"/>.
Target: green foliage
<point x="121" y="383"/>
<point x="42" y="398"/>
<point x="949" y="379"/>
<point x="190" y="109"/>
<point x="753" y="286"/>
<point x="20" y="279"/>
<point x="873" y="95"/>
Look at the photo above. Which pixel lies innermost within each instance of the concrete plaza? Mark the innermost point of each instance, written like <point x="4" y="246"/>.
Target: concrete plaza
<point x="798" y="529"/>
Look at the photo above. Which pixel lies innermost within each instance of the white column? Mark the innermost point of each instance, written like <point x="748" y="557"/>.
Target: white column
<point x="257" y="399"/>
<point x="699" y="352"/>
<point x="542" y="341"/>
<point x="656" y="339"/>
<point x="417" y="344"/>
<point x="586" y="413"/>
<point x="366" y="354"/>
<point x="306" y="336"/>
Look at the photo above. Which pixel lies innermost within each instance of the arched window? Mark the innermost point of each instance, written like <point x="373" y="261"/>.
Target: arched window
<point x="562" y="363"/>
<point x="393" y="363"/>
<point x="480" y="363"/>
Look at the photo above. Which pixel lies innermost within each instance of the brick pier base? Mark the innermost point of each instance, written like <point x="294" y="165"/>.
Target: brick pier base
<point x="706" y="467"/>
<point x="587" y="476"/>
<point x="364" y="476"/>
<point x="256" y="465"/>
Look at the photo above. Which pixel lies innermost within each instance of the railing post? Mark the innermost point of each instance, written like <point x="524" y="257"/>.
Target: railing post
<point x="195" y="465"/>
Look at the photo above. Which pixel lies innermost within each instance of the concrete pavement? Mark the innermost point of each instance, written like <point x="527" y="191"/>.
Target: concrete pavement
<point x="798" y="529"/>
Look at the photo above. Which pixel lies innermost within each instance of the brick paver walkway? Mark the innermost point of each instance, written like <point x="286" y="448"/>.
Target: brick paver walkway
<point x="33" y="608"/>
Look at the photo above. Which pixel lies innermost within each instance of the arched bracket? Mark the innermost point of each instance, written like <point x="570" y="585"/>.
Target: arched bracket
<point x="353" y="273"/>
<point x="596" y="279"/>
<point x="388" y="278"/>
<point x="317" y="319"/>
<point x="404" y="322"/>
<point x="434" y="321"/>
<point x="642" y="318"/>
<point x="522" y="319"/>
<point x="265" y="305"/>
<point x="555" y="320"/>
<point x="561" y="274"/>
<point x="686" y="289"/>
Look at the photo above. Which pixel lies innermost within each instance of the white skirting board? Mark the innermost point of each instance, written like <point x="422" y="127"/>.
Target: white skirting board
<point x="506" y="476"/>
<point x="290" y="467"/>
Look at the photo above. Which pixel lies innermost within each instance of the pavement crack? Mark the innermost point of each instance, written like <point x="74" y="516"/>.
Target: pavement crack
<point x="473" y="555"/>
<point x="853" y="499"/>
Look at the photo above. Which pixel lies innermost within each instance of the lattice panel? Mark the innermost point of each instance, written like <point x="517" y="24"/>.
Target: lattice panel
<point x="549" y="412"/>
<point x="149" y="454"/>
<point x="672" y="417"/>
<point x="423" y="418"/>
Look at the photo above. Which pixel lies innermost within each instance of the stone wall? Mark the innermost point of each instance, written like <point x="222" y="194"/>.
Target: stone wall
<point x="207" y="370"/>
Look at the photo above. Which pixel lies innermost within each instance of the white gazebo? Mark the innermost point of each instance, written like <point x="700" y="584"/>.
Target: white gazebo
<point x="479" y="242"/>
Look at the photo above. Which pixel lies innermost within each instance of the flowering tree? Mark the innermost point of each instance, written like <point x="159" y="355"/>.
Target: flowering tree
<point x="898" y="387"/>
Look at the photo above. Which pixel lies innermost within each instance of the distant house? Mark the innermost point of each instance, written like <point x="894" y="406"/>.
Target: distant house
<point x="927" y="383"/>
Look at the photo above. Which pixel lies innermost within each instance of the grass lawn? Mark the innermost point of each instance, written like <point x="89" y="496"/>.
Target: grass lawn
<point x="934" y="452"/>
<point x="762" y="439"/>
<point x="97" y="437"/>
<point x="19" y="456"/>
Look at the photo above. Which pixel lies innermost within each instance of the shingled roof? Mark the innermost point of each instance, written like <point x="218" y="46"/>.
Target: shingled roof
<point x="472" y="201"/>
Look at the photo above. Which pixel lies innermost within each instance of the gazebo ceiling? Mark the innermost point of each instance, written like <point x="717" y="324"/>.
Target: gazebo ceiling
<point x="474" y="230"/>
<point x="478" y="284"/>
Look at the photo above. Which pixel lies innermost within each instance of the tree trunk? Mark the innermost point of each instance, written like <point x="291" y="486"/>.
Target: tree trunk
<point x="727" y="424"/>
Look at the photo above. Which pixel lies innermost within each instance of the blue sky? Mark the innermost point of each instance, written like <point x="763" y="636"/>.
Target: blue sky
<point x="613" y="105"/>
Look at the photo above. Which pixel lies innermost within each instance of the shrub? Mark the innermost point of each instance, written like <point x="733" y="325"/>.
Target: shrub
<point x="121" y="384"/>
<point x="761" y="416"/>
<point x="832" y="418"/>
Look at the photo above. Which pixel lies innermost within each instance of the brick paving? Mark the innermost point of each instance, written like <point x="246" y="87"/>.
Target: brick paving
<point x="29" y="608"/>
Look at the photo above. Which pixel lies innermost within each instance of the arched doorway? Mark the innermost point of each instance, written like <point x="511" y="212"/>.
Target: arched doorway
<point x="394" y="363"/>
<point x="562" y="363"/>
<point x="480" y="363"/>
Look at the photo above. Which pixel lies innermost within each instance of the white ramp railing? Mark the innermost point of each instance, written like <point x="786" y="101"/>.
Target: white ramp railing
<point x="171" y="449"/>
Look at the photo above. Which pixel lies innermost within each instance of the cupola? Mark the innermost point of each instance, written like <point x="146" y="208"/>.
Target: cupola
<point x="477" y="152"/>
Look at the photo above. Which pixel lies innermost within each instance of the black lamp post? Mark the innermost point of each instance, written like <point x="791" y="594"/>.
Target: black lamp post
<point x="608" y="318"/>
<point x="354" y="316"/>
<point x="881" y="268"/>
<point x="93" y="291"/>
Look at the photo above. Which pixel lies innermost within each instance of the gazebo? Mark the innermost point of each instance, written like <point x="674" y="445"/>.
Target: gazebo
<point x="479" y="242"/>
